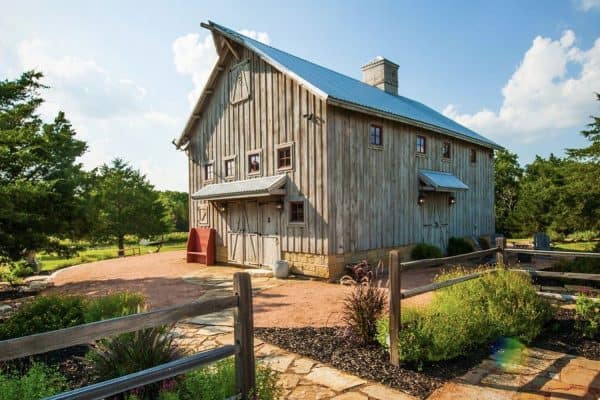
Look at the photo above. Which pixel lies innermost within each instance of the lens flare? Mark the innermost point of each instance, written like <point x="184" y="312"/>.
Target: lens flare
<point x="508" y="353"/>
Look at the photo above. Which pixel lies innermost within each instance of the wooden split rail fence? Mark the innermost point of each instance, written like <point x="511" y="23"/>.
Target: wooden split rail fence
<point x="500" y="252"/>
<point x="242" y="349"/>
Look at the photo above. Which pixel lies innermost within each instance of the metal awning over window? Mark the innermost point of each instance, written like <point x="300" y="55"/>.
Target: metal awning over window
<point x="258" y="187"/>
<point x="440" y="181"/>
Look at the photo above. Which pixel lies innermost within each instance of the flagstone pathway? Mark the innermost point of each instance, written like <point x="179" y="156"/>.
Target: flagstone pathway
<point x="533" y="374"/>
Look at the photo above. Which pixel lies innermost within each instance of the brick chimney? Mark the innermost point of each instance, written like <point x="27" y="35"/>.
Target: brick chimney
<point x="381" y="73"/>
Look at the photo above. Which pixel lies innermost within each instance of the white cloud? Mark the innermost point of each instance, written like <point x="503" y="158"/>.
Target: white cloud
<point x="552" y="88"/>
<point x="587" y="5"/>
<point x="196" y="57"/>
<point x="112" y="114"/>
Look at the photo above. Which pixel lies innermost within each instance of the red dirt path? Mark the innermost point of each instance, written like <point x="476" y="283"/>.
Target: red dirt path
<point x="289" y="303"/>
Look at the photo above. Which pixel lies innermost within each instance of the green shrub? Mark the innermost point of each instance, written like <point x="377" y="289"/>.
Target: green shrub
<point x="44" y="313"/>
<point x="362" y="307"/>
<point x="132" y="352"/>
<point x="217" y="382"/>
<point x="39" y="382"/>
<point x="556" y="236"/>
<point x="425" y="250"/>
<point x="469" y="315"/>
<point x="588" y="315"/>
<point x="114" y="305"/>
<point x="458" y="246"/>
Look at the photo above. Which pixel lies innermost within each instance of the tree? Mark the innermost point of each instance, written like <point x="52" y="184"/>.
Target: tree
<point x="42" y="188"/>
<point x="176" y="205"/>
<point x="507" y="178"/>
<point x="592" y="152"/>
<point x="125" y="203"/>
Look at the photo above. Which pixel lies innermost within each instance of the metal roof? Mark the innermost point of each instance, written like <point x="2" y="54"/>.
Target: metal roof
<point x="441" y="181"/>
<point x="257" y="187"/>
<point x="332" y="85"/>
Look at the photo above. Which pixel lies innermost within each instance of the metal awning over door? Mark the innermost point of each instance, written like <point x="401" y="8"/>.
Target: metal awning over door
<point x="258" y="187"/>
<point x="441" y="181"/>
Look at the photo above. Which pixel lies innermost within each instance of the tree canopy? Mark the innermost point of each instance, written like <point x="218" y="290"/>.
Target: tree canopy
<point x="41" y="184"/>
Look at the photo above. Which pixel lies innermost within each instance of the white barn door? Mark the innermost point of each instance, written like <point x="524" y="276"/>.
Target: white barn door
<point x="270" y="250"/>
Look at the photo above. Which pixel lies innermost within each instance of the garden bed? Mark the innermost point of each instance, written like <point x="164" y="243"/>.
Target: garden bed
<point x="328" y="345"/>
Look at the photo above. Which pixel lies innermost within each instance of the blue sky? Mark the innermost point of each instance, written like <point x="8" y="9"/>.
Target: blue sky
<point x="521" y="73"/>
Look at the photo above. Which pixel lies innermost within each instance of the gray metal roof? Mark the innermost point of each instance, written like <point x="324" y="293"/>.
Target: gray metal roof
<point x="257" y="187"/>
<point x="332" y="85"/>
<point x="441" y="181"/>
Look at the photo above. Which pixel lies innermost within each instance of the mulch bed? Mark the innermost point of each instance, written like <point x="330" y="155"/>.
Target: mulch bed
<point x="562" y="335"/>
<point x="328" y="345"/>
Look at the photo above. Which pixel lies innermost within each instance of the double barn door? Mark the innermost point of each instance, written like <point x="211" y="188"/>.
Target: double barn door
<point x="253" y="236"/>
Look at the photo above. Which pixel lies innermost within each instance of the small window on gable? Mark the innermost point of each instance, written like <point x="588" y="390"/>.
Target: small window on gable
<point x="254" y="163"/>
<point x="209" y="172"/>
<point x="229" y="168"/>
<point x="446" y="150"/>
<point x="376" y="135"/>
<point x="297" y="212"/>
<point x="473" y="156"/>
<point x="421" y="144"/>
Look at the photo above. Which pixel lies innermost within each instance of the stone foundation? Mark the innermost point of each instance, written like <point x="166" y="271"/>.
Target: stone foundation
<point x="332" y="266"/>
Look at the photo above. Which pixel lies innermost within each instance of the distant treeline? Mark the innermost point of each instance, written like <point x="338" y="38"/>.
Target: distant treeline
<point x="46" y="196"/>
<point x="560" y="196"/>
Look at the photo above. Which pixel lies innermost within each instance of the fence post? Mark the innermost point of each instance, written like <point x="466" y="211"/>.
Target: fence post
<point x="501" y="254"/>
<point x="395" y="297"/>
<point x="243" y="334"/>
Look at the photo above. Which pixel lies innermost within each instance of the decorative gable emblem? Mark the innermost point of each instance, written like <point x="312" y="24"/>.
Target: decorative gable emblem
<point x="239" y="82"/>
<point x="203" y="214"/>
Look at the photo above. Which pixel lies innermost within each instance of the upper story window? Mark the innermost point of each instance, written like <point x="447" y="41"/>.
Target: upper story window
<point x="446" y="150"/>
<point x="209" y="172"/>
<point x="254" y="163"/>
<point x="473" y="156"/>
<point x="284" y="157"/>
<point x="421" y="144"/>
<point x="297" y="211"/>
<point x="376" y="135"/>
<point x="230" y="168"/>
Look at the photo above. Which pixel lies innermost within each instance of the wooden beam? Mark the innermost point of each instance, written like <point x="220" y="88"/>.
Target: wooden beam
<point x="451" y="282"/>
<point x="432" y="262"/>
<point x="230" y="47"/>
<point x="54" y="340"/>
<point x="159" y="373"/>
<point x="553" y="253"/>
<point x="563" y="297"/>
<point x="243" y="335"/>
<point x="560" y="275"/>
<point x="395" y="270"/>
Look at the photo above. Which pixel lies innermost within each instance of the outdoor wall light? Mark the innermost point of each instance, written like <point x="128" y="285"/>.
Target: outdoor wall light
<point x="421" y="200"/>
<point x="279" y="205"/>
<point x="222" y="207"/>
<point x="451" y="200"/>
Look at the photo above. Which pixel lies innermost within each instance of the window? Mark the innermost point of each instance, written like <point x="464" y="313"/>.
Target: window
<point x="473" y="155"/>
<point x="209" y="172"/>
<point x="421" y="149"/>
<point x="376" y="135"/>
<point x="284" y="157"/>
<point x="229" y="168"/>
<point x="297" y="211"/>
<point x="446" y="150"/>
<point x="254" y="163"/>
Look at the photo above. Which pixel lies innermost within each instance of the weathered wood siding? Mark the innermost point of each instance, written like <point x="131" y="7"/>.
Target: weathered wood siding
<point x="373" y="192"/>
<point x="275" y="113"/>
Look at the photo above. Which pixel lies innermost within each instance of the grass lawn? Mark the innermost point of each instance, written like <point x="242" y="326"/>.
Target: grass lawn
<point x="52" y="262"/>
<point x="560" y="246"/>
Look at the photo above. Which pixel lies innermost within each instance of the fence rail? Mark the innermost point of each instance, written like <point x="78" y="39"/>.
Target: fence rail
<point x="243" y="349"/>
<point x="396" y="268"/>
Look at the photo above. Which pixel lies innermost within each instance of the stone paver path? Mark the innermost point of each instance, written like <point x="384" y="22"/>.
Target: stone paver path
<point x="530" y="374"/>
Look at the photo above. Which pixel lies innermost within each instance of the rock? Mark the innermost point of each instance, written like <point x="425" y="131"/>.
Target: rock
<point x="214" y="330"/>
<point x="289" y="381"/>
<point x="260" y="273"/>
<point x="310" y="393"/>
<point x="5" y="308"/>
<point x="302" y="365"/>
<point x="351" y="396"/>
<point x="278" y="363"/>
<point x="381" y="392"/>
<point x="334" y="379"/>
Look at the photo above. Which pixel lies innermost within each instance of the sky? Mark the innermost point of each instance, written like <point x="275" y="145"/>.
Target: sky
<point x="127" y="73"/>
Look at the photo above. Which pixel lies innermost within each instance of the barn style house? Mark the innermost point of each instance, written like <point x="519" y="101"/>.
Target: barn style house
<point x="290" y="160"/>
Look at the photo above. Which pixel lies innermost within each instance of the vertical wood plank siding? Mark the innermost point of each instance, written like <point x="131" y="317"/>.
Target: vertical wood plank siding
<point x="373" y="191"/>
<point x="274" y="114"/>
